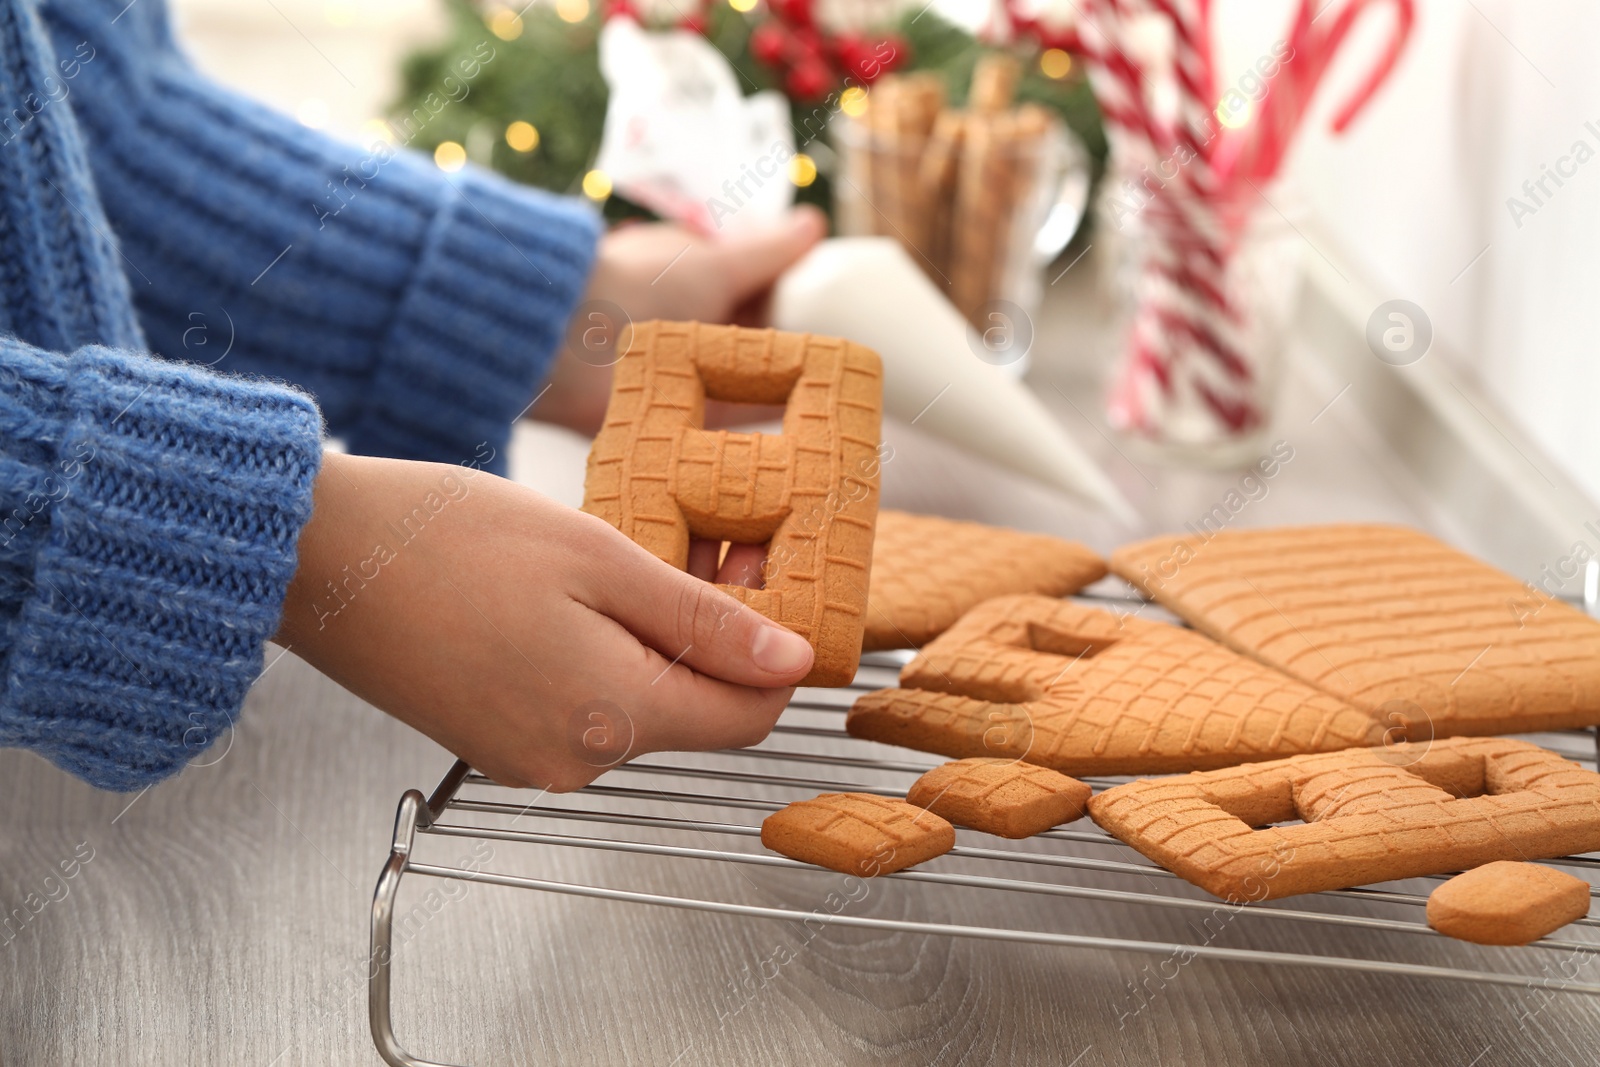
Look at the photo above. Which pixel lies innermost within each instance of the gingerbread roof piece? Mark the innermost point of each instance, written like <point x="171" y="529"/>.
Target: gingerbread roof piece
<point x="1369" y="815"/>
<point x="1427" y="638"/>
<point x="1088" y="692"/>
<point x="810" y="493"/>
<point x="927" y="571"/>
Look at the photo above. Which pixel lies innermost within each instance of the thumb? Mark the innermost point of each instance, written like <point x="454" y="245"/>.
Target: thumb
<point x="752" y="261"/>
<point x="692" y="622"/>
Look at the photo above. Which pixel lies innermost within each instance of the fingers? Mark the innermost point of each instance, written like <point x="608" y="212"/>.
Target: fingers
<point x="742" y="566"/>
<point x="643" y="702"/>
<point x="689" y="712"/>
<point x="703" y="558"/>
<point x="601" y="698"/>
<point x="754" y="260"/>
<point x="691" y="621"/>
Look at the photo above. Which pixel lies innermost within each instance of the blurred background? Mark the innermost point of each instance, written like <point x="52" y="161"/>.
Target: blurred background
<point x="1432" y="195"/>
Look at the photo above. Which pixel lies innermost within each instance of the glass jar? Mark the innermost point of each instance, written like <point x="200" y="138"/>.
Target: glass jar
<point x="981" y="203"/>
<point x="1204" y="287"/>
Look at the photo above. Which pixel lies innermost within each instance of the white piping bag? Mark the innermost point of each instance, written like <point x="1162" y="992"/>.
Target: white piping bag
<point x="867" y="290"/>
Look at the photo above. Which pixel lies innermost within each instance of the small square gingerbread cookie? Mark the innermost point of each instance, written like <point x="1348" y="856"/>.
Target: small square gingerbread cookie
<point x="857" y="833"/>
<point x="1507" y="903"/>
<point x="1001" y="796"/>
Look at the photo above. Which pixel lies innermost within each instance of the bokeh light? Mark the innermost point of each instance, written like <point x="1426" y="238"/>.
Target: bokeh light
<point x="450" y="156"/>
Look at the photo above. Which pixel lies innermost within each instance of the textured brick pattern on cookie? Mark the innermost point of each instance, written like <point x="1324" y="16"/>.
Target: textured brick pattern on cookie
<point x="1001" y="796"/>
<point x="809" y="493"/>
<point x="1386" y="618"/>
<point x="857" y="833"/>
<point x="1507" y="903"/>
<point x="927" y="571"/>
<point x="1370" y="815"/>
<point x="1086" y="692"/>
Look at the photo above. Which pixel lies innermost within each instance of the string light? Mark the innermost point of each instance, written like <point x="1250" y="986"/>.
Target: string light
<point x="742" y="6"/>
<point x="506" y="24"/>
<point x="802" y="170"/>
<point x="597" y="185"/>
<point x="572" y="10"/>
<point x="377" y="130"/>
<point x="450" y="156"/>
<point x="1055" y="63"/>
<point x="853" y="101"/>
<point x="522" y="136"/>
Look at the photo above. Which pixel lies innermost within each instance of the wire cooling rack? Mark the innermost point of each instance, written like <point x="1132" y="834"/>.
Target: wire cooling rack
<point x="707" y="808"/>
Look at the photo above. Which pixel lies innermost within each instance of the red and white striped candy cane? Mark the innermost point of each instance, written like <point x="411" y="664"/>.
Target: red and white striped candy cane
<point x="1185" y="361"/>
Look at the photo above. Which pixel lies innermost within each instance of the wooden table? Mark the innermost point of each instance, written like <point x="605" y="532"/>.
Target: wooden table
<point x="222" y="918"/>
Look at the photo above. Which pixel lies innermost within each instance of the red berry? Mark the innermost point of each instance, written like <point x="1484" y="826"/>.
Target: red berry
<point x="810" y="42"/>
<point x="693" y="23"/>
<point x="769" y="43"/>
<point x="808" y="81"/>
<point x="796" y="12"/>
<point x="875" y="60"/>
<point x="892" y="52"/>
<point x="848" y="47"/>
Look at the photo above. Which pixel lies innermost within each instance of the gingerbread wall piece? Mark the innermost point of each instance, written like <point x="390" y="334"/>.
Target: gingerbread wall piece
<point x="809" y="493"/>
<point x="1087" y="692"/>
<point x="857" y="833"/>
<point x="927" y="571"/>
<point x="1386" y="618"/>
<point x="1370" y="815"/>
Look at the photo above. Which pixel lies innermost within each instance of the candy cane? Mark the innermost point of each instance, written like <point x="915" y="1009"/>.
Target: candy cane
<point x="1184" y="341"/>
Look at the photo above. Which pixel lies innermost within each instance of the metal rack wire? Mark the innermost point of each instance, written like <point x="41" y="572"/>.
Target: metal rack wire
<point x="707" y="808"/>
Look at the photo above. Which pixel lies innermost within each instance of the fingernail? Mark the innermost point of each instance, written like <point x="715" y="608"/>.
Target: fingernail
<point x="779" y="651"/>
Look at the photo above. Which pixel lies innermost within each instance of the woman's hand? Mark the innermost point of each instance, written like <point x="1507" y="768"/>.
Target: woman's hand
<point x="535" y="642"/>
<point x="664" y="271"/>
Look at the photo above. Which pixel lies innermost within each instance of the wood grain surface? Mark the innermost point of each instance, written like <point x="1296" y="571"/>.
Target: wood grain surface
<point x="221" y="917"/>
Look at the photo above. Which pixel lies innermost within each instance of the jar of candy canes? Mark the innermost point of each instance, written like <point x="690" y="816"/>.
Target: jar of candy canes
<point x="1204" y="286"/>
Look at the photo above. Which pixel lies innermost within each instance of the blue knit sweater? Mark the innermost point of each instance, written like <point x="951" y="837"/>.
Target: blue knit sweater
<point x="149" y="507"/>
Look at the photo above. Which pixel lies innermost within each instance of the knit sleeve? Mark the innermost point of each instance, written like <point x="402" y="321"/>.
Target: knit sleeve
<point x="420" y="308"/>
<point x="148" y="518"/>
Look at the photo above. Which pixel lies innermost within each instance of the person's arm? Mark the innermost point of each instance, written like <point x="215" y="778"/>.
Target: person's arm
<point x="149" y="514"/>
<point x="420" y="308"/>
<point x="157" y="527"/>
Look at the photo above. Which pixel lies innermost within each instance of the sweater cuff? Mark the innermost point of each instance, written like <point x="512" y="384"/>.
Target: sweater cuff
<point x="161" y="562"/>
<point x="501" y="272"/>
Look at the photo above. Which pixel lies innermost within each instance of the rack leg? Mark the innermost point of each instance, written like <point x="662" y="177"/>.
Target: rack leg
<point x="412" y="805"/>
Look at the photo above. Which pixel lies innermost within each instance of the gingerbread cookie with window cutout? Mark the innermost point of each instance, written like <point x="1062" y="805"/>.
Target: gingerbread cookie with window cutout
<point x="809" y="494"/>
<point x="1358" y="817"/>
<point x="1089" y="692"/>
